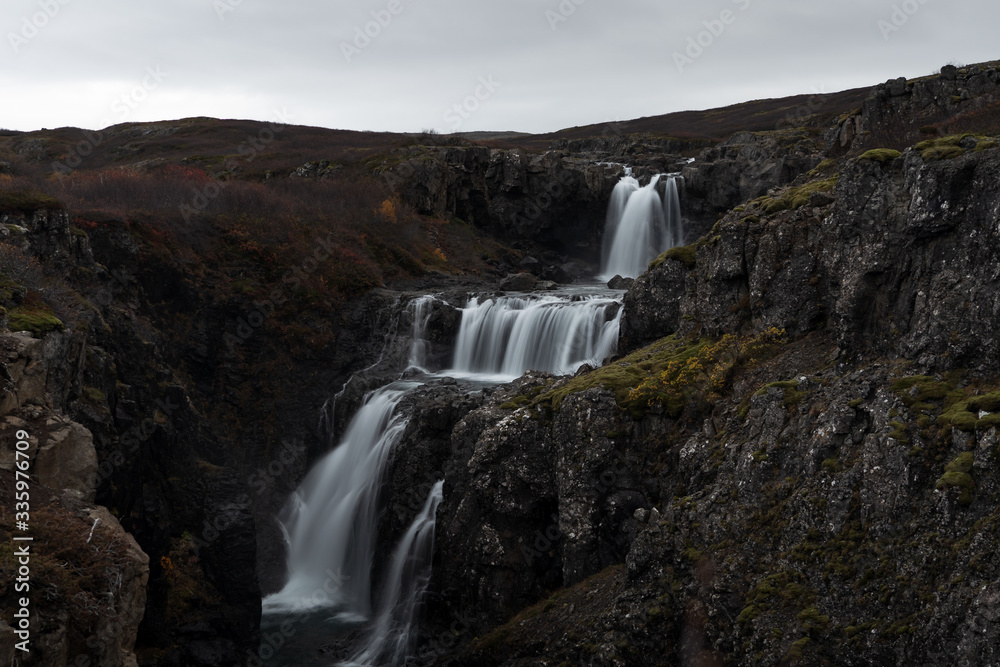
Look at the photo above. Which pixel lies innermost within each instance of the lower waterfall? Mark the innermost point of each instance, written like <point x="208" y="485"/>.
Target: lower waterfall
<point x="330" y="521"/>
<point x="392" y="638"/>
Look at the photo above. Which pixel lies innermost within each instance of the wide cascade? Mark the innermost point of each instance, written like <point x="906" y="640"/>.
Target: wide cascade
<point x="640" y="225"/>
<point x="501" y="338"/>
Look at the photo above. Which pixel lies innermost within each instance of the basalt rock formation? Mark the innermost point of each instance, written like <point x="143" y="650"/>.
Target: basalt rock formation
<point x="791" y="458"/>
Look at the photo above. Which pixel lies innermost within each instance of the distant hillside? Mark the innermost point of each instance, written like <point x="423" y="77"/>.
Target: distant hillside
<point x="716" y="124"/>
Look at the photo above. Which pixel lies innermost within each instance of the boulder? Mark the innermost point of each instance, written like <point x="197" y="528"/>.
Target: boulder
<point x="518" y="282"/>
<point x="620" y="283"/>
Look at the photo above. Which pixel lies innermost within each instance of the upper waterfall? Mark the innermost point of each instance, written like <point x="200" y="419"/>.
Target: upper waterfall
<point x="640" y="225"/>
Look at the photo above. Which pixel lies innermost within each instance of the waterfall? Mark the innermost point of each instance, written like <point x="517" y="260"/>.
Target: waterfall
<point x="421" y="311"/>
<point x="392" y="637"/>
<point x="501" y="338"/>
<point x="330" y="522"/>
<point x="640" y="226"/>
<point x="616" y="209"/>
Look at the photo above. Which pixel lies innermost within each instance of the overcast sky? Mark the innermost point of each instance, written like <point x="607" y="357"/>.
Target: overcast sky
<point x="408" y="65"/>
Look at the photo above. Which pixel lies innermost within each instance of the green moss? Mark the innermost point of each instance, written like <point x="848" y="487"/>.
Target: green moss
<point x="94" y="395"/>
<point x="927" y="389"/>
<point x="797" y="649"/>
<point x="985" y="145"/>
<point x="796" y="197"/>
<point x="942" y="153"/>
<point x="515" y="403"/>
<point x="958" y="416"/>
<point x="985" y="403"/>
<point x="823" y="167"/>
<point x="791" y="390"/>
<point x="812" y="619"/>
<point x="683" y="254"/>
<point x="957" y="476"/>
<point x="880" y="155"/>
<point x="831" y="465"/>
<point x="898" y="433"/>
<point x="959" y="480"/>
<point x="855" y="403"/>
<point x="621" y="376"/>
<point x="945" y="148"/>
<point x="962" y="463"/>
<point x="37" y="321"/>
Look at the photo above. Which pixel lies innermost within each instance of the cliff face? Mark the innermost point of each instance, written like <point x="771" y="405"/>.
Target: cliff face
<point x="879" y="262"/>
<point x="793" y="462"/>
<point x="829" y="498"/>
<point x="110" y="422"/>
<point x="555" y="199"/>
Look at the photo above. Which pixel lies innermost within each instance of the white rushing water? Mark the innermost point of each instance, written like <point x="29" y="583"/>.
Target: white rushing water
<point x="501" y="338"/>
<point x="640" y="225"/>
<point x="330" y="522"/>
<point x="392" y="637"/>
<point x="420" y="310"/>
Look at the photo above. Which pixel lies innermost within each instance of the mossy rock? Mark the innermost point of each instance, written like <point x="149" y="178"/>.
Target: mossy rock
<point x="958" y="480"/>
<point x="880" y="155"/>
<point x="623" y="375"/>
<point x="898" y="433"/>
<point x="686" y="255"/>
<point x="37" y="322"/>
<point x="942" y="153"/>
<point x="946" y="148"/>
<point x="985" y="403"/>
<point x="796" y="197"/>
<point x="962" y="463"/>
<point x="792" y="395"/>
<point x="927" y="389"/>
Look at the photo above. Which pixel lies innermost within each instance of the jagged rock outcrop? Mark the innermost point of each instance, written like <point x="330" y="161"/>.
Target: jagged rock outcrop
<point x="553" y="199"/>
<point x="906" y="241"/>
<point x="745" y="167"/>
<point x="530" y="505"/>
<point x="897" y="110"/>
